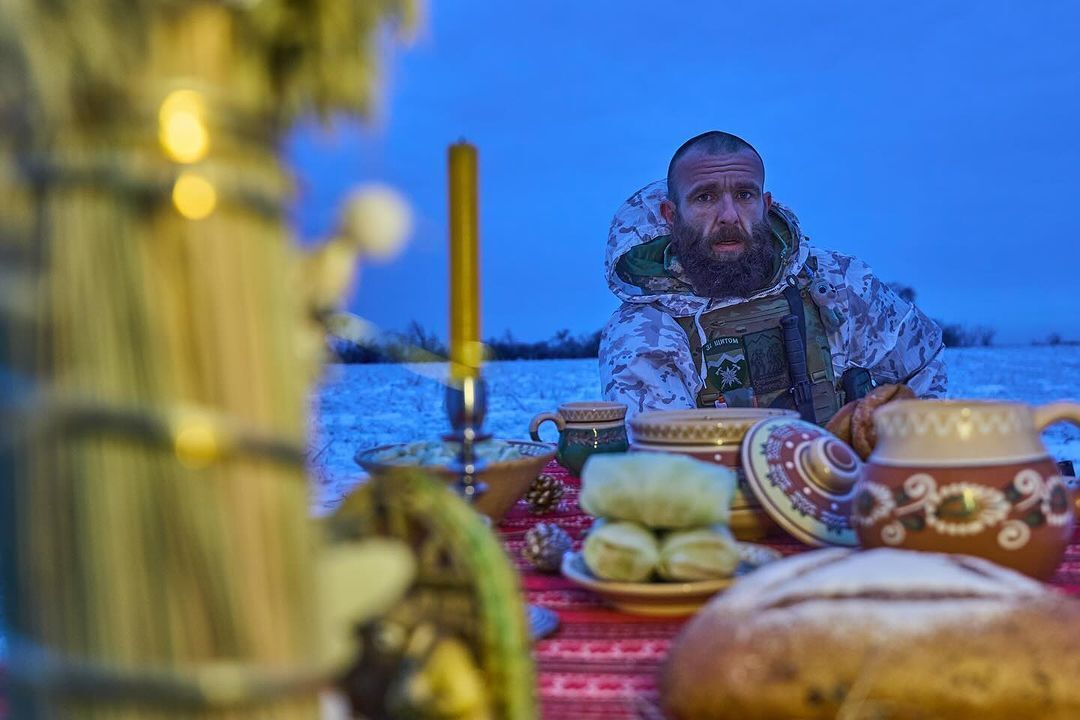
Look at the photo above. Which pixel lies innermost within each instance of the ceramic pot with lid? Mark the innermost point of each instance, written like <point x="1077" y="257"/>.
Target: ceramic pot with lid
<point x="969" y="477"/>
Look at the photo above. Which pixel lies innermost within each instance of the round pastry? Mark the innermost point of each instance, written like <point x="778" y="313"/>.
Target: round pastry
<point x="879" y="634"/>
<point x="863" y="434"/>
<point x="840" y="424"/>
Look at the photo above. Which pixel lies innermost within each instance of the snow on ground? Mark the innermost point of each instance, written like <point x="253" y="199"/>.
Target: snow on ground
<point x="361" y="406"/>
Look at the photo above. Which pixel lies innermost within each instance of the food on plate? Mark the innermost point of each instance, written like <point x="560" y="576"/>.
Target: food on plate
<point x="658" y="490"/>
<point x="621" y="551"/>
<point x="659" y="517"/>
<point x="699" y="554"/>
<point x="438" y="452"/>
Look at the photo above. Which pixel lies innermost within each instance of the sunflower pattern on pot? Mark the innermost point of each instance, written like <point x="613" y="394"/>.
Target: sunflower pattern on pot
<point x="970" y="477"/>
<point x="921" y="505"/>
<point x="964" y="508"/>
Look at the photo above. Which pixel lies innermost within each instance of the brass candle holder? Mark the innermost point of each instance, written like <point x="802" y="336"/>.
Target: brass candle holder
<point x="466" y="407"/>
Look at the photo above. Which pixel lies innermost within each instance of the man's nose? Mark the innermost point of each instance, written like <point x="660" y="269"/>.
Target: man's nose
<point x="726" y="213"/>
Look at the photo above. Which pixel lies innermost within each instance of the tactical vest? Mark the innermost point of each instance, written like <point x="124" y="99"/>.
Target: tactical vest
<point x="746" y="362"/>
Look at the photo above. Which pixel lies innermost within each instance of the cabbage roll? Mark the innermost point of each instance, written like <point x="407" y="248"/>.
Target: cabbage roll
<point x="700" y="554"/>
<point x="621" y="551"/>
<point x="658" y="490"/>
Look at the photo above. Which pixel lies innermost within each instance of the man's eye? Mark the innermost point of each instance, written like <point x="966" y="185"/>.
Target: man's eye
<point x="704" y="197"/>
<point x="745" y="195"/>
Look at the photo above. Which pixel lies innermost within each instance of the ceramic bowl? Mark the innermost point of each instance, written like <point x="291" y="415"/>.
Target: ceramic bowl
<point x="512" y="466"/>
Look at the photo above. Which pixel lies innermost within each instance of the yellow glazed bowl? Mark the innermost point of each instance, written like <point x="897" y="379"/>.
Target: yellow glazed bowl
<point x="512" y="465"/>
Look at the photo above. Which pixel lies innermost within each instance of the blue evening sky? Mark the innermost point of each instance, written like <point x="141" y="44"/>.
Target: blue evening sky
<point x="936" y="140"/>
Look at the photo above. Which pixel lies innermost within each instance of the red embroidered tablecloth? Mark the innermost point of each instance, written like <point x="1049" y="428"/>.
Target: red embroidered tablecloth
<point x="602" y="664"/>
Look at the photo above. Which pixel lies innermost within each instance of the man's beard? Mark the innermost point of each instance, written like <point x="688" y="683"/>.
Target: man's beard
<point x="715" y="277"/>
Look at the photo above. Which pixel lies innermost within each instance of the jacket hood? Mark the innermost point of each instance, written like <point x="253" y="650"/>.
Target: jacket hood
<point x="640" y="268"/>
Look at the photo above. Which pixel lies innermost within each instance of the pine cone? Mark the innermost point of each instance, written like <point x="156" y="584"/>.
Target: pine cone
<point x="545" y="545"/>
<point x="544" y="494"/>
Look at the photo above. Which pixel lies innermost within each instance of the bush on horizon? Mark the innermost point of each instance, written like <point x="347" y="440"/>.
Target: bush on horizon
<point x="417" y="344"/>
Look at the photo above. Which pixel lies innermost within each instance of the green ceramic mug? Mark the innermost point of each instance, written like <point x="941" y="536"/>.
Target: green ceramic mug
<point x="584" y="428"/>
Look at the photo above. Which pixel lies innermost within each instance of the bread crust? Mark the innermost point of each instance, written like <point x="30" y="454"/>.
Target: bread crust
<point x="821" y="653"/>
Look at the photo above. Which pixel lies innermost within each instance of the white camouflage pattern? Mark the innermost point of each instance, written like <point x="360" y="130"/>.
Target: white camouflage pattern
<point x="645" y="358"/>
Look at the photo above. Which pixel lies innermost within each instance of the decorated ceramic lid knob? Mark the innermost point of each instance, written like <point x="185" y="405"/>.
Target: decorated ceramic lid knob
<point x="804" y="477"/>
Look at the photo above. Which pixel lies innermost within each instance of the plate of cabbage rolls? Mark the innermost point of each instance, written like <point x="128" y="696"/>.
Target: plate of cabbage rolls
<point x="658" y="597"/>
<point x="660" y="544"/>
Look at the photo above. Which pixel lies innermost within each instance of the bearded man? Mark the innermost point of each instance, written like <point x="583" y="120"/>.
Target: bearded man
<point x="726" y="303"/>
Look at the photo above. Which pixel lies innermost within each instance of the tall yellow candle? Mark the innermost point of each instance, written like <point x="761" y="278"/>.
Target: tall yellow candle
<point x="465" y="348"/>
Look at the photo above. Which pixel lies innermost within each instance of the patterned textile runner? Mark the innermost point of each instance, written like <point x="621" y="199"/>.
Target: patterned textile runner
<point x="603" y="664"/>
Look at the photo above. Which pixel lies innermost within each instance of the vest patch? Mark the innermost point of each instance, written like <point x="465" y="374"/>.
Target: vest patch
<point x="743" y="362"/>
<point x="767" y="361"/>
<point x="726" y="361"/>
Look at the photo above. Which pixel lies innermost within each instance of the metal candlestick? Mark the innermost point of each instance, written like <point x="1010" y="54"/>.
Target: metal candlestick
<point x="466" y="406"/>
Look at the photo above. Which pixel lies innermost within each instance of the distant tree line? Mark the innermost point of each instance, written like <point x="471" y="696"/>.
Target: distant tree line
<point x="952" y="334"/>
<point x="562" y="346"/>
<point x="957" y="335"/>
<point x="417" y="344"/>
<point x="1056" y="339"/>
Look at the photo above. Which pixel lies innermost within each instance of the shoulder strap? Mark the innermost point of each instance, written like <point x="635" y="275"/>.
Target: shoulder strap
<point x="794" y="334"/>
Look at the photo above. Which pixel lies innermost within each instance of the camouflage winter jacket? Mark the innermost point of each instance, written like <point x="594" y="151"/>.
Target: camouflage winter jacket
<point x="645" y="358"/>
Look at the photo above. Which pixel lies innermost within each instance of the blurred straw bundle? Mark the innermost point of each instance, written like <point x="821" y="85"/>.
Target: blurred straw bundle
<point x="161" y="562"/>
<point x="465" y="589"/>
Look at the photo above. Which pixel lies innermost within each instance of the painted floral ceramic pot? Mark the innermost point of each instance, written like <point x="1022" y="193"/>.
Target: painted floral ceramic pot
<point x="969" y="477"/>
<point x="585" y="428"/>
<point x="714" y="435"/>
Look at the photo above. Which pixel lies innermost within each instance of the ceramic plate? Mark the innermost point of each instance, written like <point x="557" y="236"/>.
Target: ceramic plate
<point x="663" y="598"/>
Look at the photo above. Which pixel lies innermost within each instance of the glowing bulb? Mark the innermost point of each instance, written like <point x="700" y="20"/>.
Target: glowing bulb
<point x="194" y="196"/>
<point x="182" y="128"/>
<point x="377" y="220"/>
<point x="196" y="444"/>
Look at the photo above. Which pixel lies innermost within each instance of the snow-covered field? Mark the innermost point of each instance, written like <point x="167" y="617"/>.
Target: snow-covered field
<point x="360" y="406"/>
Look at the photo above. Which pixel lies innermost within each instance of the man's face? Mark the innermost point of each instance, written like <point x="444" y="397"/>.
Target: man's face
<point x="720" y="225"/>
<point x="718" y="194"/>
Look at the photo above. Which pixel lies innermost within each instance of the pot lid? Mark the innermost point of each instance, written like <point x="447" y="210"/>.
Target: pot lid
<point x="804" y="477"/>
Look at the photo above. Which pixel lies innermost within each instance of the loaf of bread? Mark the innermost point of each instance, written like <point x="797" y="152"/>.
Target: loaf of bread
<point x="881" y="634"/>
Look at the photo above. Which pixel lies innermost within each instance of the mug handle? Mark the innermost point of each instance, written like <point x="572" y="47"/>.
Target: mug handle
<point x="534" y="426"/>
<point x="1046" y="415"/>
